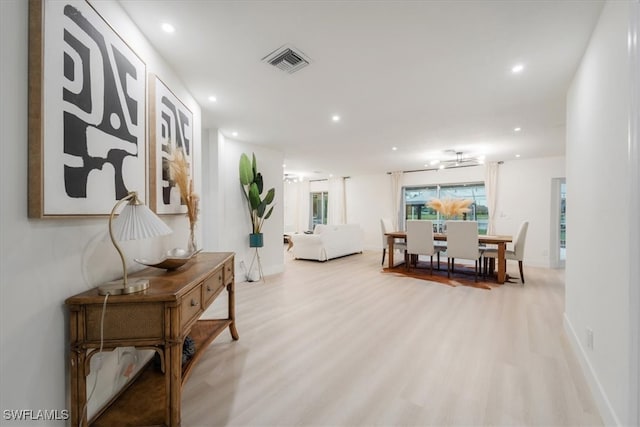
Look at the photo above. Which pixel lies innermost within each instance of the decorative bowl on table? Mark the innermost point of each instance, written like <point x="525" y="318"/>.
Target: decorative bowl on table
<point x="174" y="258"/>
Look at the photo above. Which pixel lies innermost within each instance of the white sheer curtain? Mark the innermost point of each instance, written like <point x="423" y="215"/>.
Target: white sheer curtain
<point x="302" y="206"/>
<point x="337" y="207"/>
<point x="491" y="189"/>
<point x="396" y="194"/>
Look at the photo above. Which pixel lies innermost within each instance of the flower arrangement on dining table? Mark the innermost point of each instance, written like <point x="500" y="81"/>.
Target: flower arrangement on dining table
<point x="179" y="171"/>
<point x="450" y="208"/>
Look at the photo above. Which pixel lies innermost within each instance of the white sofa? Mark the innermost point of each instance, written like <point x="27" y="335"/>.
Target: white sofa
<point x="328" y="242"/>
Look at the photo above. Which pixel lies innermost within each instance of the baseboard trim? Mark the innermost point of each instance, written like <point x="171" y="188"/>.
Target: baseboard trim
<point x="607" y="413"/>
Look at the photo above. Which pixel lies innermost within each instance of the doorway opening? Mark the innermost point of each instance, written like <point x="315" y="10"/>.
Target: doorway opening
<point x="558" y="239"/>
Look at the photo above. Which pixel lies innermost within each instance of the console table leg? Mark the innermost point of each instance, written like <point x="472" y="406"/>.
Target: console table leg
<point x="232" y="311"/>
<point x="175" y="383"/>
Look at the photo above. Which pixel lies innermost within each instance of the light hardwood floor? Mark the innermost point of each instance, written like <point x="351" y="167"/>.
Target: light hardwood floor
<point x="342" y="344"/>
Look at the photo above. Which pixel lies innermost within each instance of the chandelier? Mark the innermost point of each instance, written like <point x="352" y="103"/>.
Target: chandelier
<point x="454" y="159"/>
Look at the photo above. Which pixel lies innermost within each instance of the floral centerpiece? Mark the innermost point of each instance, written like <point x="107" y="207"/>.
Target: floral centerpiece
<point x="179" y="171"/>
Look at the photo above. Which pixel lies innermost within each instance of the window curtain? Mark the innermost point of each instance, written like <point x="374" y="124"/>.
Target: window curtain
<point x="336" y="209"/>
<point x="396" y="195"/>
<point x="491" y="189"/>
<point x="302" y="206"/>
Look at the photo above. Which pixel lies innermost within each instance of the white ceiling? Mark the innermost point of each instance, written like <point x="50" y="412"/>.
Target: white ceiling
<point x="424" y="76"/>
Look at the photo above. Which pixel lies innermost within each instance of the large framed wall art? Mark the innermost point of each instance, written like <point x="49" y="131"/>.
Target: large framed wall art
<point x="87" y="88"/>
<point x="170" y="134"/>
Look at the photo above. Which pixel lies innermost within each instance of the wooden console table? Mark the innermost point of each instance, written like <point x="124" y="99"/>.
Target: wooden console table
<point x="159" y="319"/>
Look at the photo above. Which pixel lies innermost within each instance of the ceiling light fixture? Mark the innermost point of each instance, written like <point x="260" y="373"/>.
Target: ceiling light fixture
<point x="517" y="68"/>
<point x="168" y="28"/>
<point x="455" y="159"/>
<point x="335" y="118"/>
<point x="517" y="129"/>
<point x="234" y="133"/>
<point x="212" y="98"/>
<point x="292" y="178"/>
<point x="394" y="148"/>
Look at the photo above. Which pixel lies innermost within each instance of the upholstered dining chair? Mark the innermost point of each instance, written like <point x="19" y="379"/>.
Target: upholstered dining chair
<point x="387" y="226"/>
<point x="462" y="242"/>
<point x="420" y="242"/>
<point x="515" y="254"/>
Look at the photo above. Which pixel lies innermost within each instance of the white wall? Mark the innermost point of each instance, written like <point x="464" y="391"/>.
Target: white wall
<point x="227" y="218"/>
<point x="525" y="193"/>
<point x="368" y="200"/>
<point x="45" y="261"/>
<point x="598" y="283"/>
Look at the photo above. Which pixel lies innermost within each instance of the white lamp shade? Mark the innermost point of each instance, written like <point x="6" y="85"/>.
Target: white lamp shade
<point x="137" y="221"/>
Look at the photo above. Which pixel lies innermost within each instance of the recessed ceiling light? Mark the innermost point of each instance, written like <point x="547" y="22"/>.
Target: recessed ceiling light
<point x="168" y="28"/>
<point x="517" y="129"/>
<point x="517" y="68"/>
<point x="234" y="133"/>
<point x="284" y="166"/>
<point x="394" y="148"/>
<point x="335" y="118"/>
<point x="517" y="155"/>
<point x="213" y="98"/>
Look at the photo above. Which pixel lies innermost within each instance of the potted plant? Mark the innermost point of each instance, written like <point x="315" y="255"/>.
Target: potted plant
<point x="252" y="188"/>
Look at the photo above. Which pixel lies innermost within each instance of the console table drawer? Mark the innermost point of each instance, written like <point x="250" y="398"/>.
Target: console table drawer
<point x="228" y="272"/>
<point x="212" y="286"/>
<point x="122" y="323"/>
<point x="191" y="306"/>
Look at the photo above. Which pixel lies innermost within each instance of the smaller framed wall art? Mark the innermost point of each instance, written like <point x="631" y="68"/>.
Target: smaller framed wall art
<point x="170" y="132"/>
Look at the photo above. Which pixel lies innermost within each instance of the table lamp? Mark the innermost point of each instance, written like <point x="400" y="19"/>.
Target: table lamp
<point x="135" y="222"/>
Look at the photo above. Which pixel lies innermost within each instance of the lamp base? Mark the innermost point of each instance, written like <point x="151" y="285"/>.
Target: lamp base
<point x="117" y="287"/>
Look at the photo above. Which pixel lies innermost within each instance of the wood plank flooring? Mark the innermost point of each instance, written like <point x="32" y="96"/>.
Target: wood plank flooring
<point x="341" y="344"/>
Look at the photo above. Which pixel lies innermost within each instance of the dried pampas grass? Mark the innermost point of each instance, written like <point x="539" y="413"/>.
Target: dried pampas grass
<point x="450" y="208"/>
<point x="179" y="171"/>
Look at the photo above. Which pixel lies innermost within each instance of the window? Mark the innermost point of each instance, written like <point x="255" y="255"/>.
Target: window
<point x="416" y="198"/>
<point x="318" y="209"/>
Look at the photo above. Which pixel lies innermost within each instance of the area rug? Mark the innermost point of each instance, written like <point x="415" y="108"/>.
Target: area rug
<point x="463" y="275"/>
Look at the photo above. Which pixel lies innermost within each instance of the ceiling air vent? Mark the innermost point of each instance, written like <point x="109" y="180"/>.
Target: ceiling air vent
<point x="287" y="58"/>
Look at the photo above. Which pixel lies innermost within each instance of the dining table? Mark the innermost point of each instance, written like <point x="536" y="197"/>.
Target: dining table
<point x="499" y="241"/>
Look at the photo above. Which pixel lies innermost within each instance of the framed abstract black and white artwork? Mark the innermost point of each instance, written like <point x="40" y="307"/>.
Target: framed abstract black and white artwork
<point x="87" y="89"/>
<point x="170" y="132"/>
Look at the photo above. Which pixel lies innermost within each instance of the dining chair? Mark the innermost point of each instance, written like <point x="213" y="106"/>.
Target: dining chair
<point x="387" y="226"/>
<point x="462" y="242"/>
<point x="420" y="242"/>
<point x="515" y="254"/>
